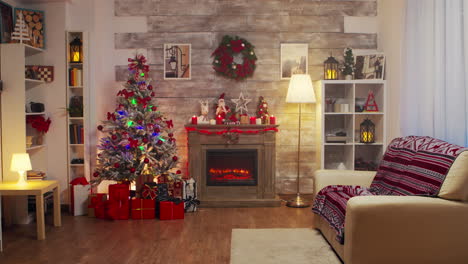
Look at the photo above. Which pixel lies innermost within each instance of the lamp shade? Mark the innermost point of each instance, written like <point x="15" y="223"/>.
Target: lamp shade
<point x="300" y="89"/>
<point x="20" y="162"/>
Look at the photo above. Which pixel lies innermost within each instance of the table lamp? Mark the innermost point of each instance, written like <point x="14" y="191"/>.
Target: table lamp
<point x="20" y="163"/>
<point x="300" y="91"/>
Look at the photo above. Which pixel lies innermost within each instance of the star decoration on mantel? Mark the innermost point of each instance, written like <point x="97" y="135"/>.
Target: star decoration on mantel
<point x="241" y="104"/>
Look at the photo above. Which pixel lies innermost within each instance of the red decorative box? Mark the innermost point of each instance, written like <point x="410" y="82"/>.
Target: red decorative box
<point x="170" y="210"/>
<point x="142" y="208"/>
<point x="177" y="189"/>
<point x="119" y="192"/>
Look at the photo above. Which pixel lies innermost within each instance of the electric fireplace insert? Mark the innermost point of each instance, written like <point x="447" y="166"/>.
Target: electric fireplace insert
<point x="232" y="167"/>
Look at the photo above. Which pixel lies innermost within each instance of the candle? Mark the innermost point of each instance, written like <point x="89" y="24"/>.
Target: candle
<point x="194" y="120"/>
<point x="259" y="121"/>
<point x="252" y="120"/>
<point x="219" y="120"/>
<point x="212" y="122"/>
<point x="272" y="120"/>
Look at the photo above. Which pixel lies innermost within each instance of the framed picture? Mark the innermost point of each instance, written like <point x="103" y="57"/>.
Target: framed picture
<point x="29" y="27"/>
<point x="6" y="22"/>
<point x="370" y="66"/>
<point x="177" y="62"/>
<point x="293" y="59"/>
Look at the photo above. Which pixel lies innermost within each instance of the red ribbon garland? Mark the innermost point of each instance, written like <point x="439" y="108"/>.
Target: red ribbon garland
<point x="202" y="131"/>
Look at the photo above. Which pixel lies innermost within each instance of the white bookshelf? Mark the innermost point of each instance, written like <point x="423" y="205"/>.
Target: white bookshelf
<point x="336" y="154"/>
<point x="78" y="149"/>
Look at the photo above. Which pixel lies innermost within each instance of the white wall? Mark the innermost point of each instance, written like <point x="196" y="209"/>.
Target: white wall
<point x="391" y="15"/>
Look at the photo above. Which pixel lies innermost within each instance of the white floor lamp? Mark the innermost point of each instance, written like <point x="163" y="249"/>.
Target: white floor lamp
<point x="300" y="91"/>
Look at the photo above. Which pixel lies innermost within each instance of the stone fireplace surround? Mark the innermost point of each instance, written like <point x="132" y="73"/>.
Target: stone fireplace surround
<point x="262" y="195"/>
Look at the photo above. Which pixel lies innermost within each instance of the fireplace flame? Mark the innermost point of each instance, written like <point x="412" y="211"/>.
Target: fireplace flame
<point x="230" y="174"/>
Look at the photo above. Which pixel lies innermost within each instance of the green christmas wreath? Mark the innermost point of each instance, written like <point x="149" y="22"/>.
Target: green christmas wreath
<point x="228" y="53"/>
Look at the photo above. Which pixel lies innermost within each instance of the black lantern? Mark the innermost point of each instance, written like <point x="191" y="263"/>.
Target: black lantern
<point x="367" y="131"/>
<point x="330" y="68"/>
<point x="76" y="51"/>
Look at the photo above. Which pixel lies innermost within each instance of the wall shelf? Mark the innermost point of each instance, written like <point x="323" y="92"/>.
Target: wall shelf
<point x="350" y="93"/>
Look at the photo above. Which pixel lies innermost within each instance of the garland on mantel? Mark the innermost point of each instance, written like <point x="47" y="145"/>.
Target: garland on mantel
<point x="238" y="131"/>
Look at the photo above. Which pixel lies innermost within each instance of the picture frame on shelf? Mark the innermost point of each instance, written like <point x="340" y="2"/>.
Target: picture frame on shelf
<point x="294" y="59"/>
<point x="369" y="66"/>
<point x="6" y="22"/>
<point x="34" y="20"/>
<point x="177" y="61"/>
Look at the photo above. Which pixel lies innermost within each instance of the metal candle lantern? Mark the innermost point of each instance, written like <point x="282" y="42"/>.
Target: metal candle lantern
<point x="367" y="131"/>
<point x="76" y="51"/>
<point x="330" y="68"/>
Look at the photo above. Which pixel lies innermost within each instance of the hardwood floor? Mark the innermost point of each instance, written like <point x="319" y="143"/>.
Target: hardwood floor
<point x="202" y="237"/>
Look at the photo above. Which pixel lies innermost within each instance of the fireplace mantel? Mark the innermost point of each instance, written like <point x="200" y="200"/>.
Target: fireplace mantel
<point x="261" y="138"/>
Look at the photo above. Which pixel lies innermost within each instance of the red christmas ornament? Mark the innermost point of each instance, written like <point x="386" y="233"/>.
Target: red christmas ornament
<point x="171" y="134"/>
<point x="146" y="160"/>
<point x="116" y="165"/>
<point x="178" y="172"/>
<point x="152" y="94"/>
<point x="159" y="142"/>
<point x="132" y="170"/>
<point x="114" y="137"/>
<point x="172" y="140"/>
<point x="100" y="128"/>
<point x="175" y="158"/>
<point x="96" y="174"/>
<point x="145" y="140"/>
<point x="150" y="87"/>
<point x="157" y="130"/>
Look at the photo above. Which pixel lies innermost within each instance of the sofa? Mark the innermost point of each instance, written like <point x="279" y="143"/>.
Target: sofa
<point x="413" y="210"/>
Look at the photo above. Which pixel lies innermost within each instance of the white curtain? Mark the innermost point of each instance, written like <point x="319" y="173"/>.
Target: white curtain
<point x="434" y="95"/>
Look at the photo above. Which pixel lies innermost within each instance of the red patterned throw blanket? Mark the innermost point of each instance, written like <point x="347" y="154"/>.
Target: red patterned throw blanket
<point x="411" y="166"/>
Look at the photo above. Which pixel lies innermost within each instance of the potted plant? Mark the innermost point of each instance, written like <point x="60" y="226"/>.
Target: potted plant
<point x="40" y="124"/>
<point x="75" y="108"/>
<point x="348" y="65"/>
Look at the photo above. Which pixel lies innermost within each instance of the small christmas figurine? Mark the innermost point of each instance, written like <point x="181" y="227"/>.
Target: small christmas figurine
<point x="221" y="108"/>
<point x="262" y="109"/>
<point x="204" y="109"/>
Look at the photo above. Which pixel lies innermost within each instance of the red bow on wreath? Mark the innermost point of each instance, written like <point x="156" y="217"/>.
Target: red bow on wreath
<point x="237" y="45"/>
<point x="169" y="124"/>
<point x="110" y="116"/>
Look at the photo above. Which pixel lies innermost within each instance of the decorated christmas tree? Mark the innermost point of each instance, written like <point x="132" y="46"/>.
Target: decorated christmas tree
<point x="139" y="139"/>
<point x="262" y="108"/>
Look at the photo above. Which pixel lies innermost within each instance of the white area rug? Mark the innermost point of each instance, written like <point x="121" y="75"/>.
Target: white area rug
<point x="280" y="245"/>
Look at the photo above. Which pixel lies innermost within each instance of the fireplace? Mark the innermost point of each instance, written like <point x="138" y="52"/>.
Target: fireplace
<point x="231" y="167"/>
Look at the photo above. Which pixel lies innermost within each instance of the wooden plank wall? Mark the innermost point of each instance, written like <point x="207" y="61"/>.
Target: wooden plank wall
<point x="264" y="23"/>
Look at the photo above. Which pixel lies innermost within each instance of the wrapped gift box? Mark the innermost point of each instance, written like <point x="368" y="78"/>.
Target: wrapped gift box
<point x="79" y="197"/>
<point x="177" y="189"/>
<point x="142" y="208"/>
<point x="94" y="200"/>
<point x="119" y="192"/>
<point x="163" y="192"/>
<point x="118" y="207"/>
<point x="168" y="210"/>
<point x="149" y="191"/>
